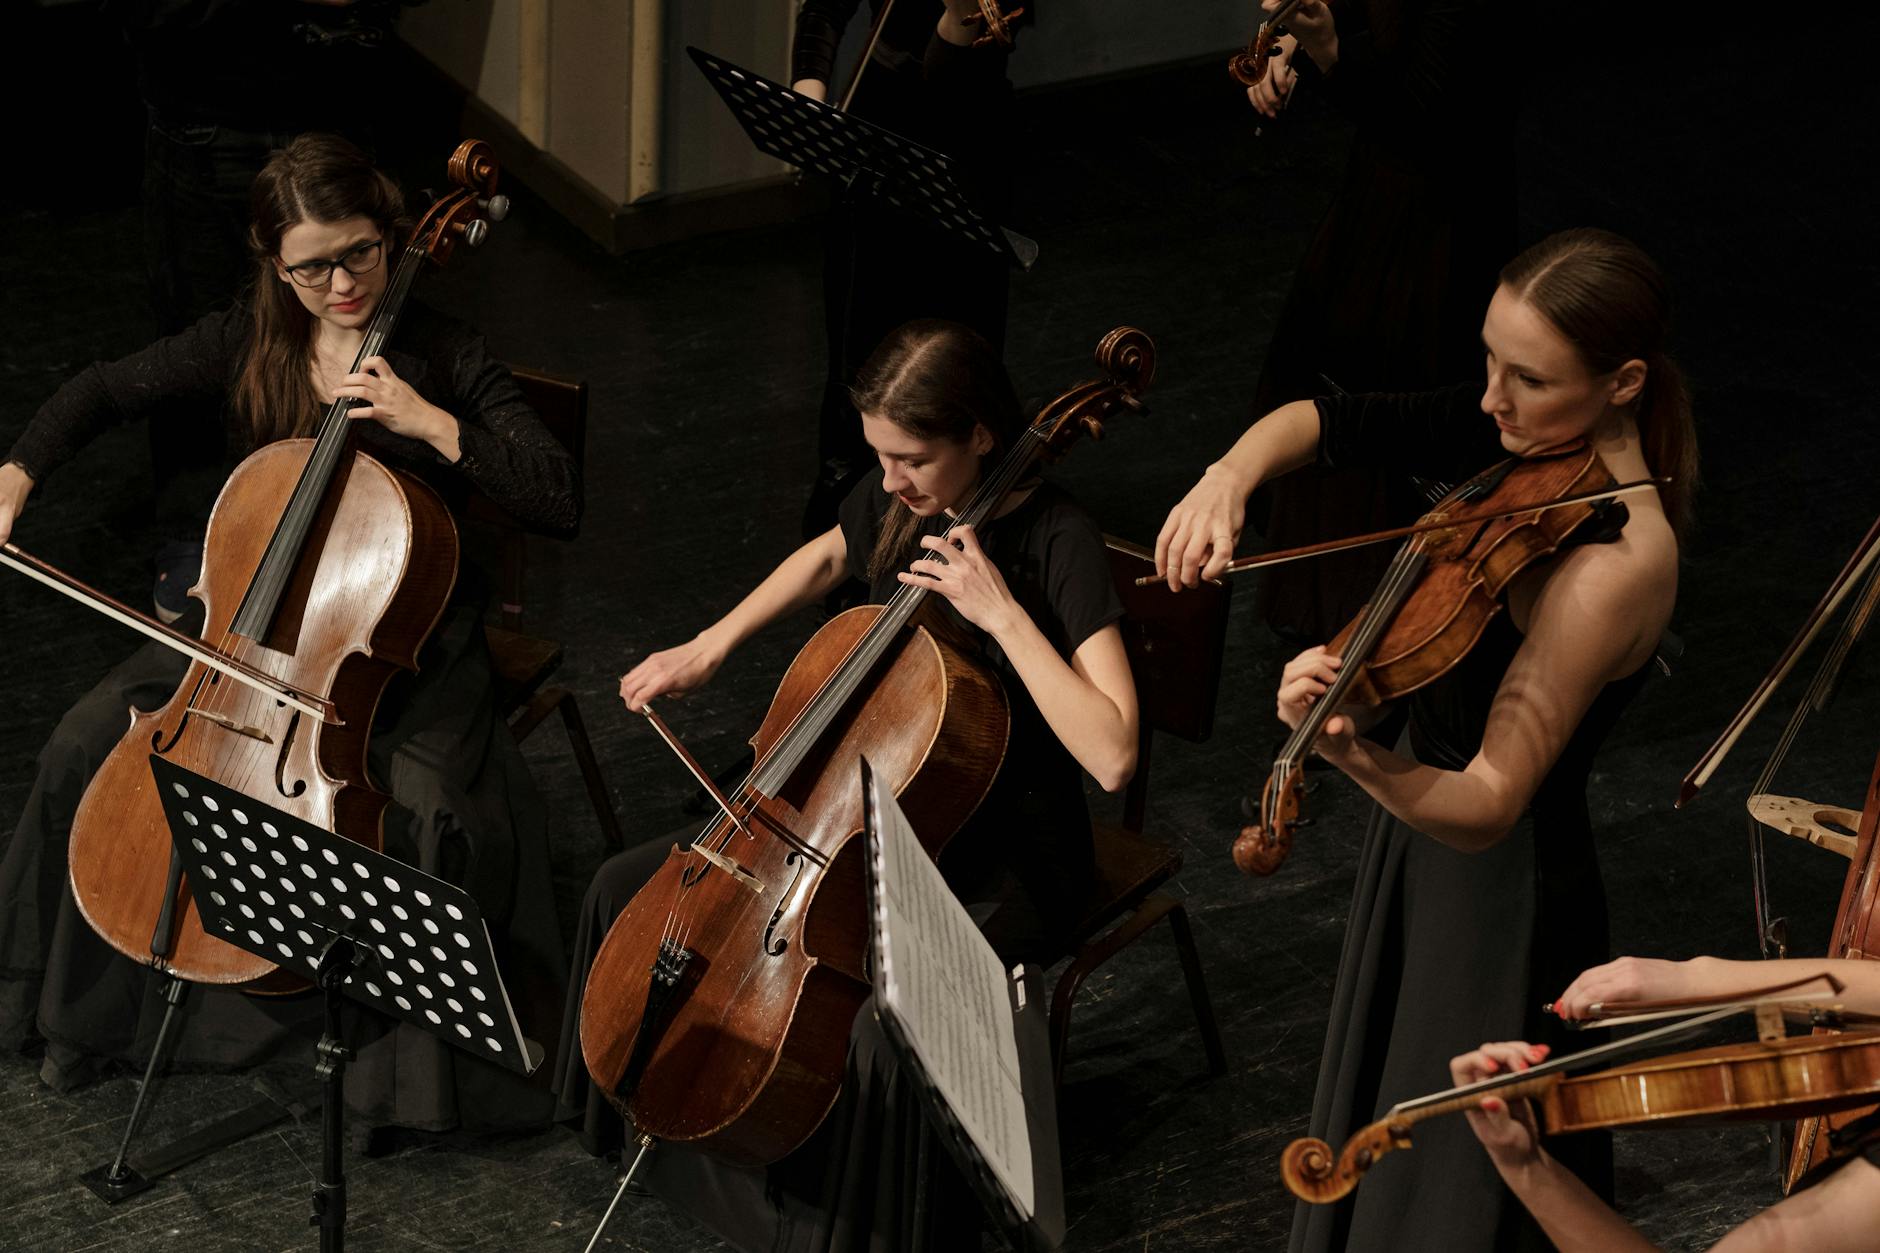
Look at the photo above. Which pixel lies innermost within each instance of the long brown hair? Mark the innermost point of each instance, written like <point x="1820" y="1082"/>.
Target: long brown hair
<point x="316" y="178"/>
<point x="1610" y="300"/>
<point x="935" y="380"/>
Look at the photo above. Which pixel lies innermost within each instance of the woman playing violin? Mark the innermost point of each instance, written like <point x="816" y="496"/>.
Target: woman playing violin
<point x="325" y="236"/>
<point x="1034" y="588"/>
<point x="1838" y="1211"/>
<point x="1478" y="882"/>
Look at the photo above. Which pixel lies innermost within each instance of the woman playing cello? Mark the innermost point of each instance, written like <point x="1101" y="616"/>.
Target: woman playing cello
<point x="1034" y="586"/>
<point x="437" y="405"/>
<point x="1478" y="882"/>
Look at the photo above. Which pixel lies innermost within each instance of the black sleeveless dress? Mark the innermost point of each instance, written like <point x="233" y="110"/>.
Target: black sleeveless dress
<point x="1444" y="949"/>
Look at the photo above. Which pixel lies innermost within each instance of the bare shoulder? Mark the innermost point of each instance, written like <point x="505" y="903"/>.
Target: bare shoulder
<point x="1622" y="591"/>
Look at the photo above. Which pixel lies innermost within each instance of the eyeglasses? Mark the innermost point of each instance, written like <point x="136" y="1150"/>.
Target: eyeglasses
<point x="361" y="260"/>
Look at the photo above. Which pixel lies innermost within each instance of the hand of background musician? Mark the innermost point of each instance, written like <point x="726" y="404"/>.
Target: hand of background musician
<point x="1268" y="96"/>
<point x="1306" y="678"/>
<point x="394" y="405"/>
<point x="1314" y="29"/>
<point x="1198" y="538"/>
<point x="1506" y="1131"/>
<point x="968" y="579"/>
<point x="670" y="672"/>
<point x="15" y="486"/>
<point x="1629" y="979"/>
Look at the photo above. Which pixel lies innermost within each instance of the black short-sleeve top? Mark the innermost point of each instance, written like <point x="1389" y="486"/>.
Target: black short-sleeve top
<point x="1051" y="554"/>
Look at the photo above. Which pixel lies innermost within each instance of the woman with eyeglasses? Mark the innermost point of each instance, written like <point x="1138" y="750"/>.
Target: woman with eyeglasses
<point x="327" y="229"/>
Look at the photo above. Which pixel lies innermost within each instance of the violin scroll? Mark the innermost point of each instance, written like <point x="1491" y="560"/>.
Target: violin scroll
<point x="1312" y="1174"/>
<point x="997" y="23"/>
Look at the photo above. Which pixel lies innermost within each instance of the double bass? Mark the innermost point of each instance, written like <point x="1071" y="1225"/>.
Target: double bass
<point x="718" y="1008"/>
<point x="323" y="573"/>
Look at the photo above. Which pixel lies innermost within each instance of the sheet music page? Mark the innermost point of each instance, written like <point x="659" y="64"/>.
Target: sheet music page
<point x="942" y="982"/>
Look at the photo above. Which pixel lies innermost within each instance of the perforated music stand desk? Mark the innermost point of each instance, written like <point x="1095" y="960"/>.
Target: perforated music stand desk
<point x="892" y="169"/>
<point x="353" y="921"/>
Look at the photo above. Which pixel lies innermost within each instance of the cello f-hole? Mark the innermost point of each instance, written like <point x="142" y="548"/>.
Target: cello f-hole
<point x="280" y="762"/>
<point x="774" y="944"/>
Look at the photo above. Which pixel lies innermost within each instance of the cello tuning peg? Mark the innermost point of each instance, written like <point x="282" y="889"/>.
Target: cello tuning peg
<point x="496" y="208"/>
<point x="473" y="232"/>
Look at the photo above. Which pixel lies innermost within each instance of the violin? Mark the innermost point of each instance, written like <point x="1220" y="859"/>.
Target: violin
<point x="718" y="1008"/>
<point x="1248" y="66"/>
<point x="1437" y="597"/>
<point x="323" y="573"/>
<point x="1763" y="1080"/>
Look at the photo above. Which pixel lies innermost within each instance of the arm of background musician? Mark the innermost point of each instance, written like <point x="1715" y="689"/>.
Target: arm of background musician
<point x="1089" y="702"/>
<point x="1651" y="979"/>
<point x="1440" y="434"/>
<point x="1199" y="535"/>
<point x="1594" y="619"/>
<point x="191" y="366"/>
<point x="805" y="577"/>
<point x="1838" y="1215"/>
<point x="506" y="451"/>
<point x="819" y="27"/>
<point x="15" y="486"/>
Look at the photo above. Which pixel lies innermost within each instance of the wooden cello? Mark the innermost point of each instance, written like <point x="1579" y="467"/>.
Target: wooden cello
<point x="718" y="1008"/>
<point x="324" y="571"/>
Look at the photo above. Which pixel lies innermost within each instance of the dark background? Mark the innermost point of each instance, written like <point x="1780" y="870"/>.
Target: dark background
<point x="1743" y="164"/>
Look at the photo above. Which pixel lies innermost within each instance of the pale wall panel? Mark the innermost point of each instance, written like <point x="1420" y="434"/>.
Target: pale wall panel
<point x="590" y="73"/>
<point x="705" y="147"/>
<point x="473" y="41"/>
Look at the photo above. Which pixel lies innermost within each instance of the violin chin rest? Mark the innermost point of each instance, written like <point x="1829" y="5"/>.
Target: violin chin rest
<point x="1255" y="854"/>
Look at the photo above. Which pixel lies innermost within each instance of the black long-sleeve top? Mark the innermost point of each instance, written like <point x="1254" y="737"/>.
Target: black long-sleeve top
<point x="507" y="453"/>
<point x="1441" y="435"/>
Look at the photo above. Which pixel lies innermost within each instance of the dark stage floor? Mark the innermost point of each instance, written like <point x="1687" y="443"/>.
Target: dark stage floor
<point x="1153" y="205"/>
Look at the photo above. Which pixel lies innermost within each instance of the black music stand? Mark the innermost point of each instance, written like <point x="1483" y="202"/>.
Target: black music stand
<point x="872" y="160"/>
<point x="357" y="923"/>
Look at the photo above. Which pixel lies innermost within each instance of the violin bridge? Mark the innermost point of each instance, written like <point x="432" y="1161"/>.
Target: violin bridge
<point x="741" y="876"/>
<point x="229" y="724"/>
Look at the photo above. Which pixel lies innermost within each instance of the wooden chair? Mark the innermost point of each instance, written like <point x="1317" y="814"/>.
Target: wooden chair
<point x="523" y="663"/>
<point x="1175" y="644"/>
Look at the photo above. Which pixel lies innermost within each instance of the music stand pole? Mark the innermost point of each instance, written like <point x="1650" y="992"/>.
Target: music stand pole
<point x="337" y="960"/>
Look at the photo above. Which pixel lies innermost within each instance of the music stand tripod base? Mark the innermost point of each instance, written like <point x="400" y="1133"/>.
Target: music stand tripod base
<point x="351" y="920"/>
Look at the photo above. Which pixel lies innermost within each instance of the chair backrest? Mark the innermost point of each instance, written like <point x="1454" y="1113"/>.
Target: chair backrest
<point x="562" y="405"/>
<point x="1175" y="643"/>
